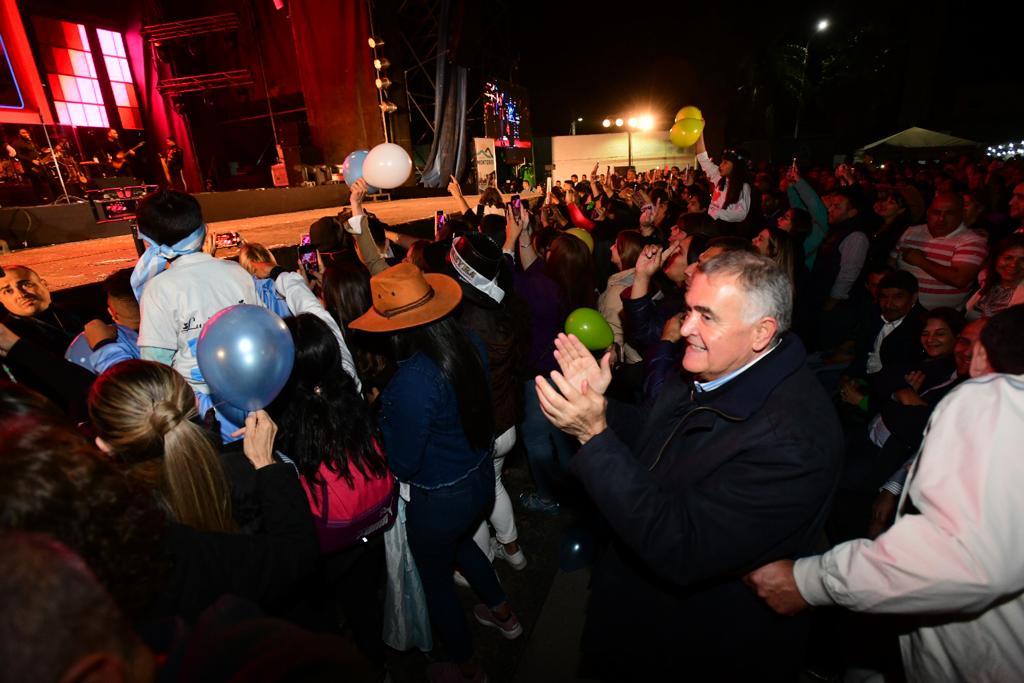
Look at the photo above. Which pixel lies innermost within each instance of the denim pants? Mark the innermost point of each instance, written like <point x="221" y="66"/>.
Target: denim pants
<point x="547" y="448"/>
<point x="440" y="524"/>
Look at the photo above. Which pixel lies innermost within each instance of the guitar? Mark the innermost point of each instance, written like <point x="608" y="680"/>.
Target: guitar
<point x="121" y="158"/>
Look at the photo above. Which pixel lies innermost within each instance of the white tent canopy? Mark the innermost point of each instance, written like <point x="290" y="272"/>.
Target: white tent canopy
<point x="921" y="138"/>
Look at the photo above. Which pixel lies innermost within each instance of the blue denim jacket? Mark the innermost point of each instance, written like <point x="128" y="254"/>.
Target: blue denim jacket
<point x="423" y="436"/>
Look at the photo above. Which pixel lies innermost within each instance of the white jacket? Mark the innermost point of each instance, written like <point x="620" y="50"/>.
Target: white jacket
<point x="300" y="300"/>
<point x="959" y="561"/>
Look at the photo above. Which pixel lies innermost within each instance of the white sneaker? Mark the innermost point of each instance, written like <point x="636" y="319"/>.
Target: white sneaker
<point x="516" y="560"/>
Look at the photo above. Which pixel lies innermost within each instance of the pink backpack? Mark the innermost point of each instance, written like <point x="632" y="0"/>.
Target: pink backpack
<point x="345" y="515"/>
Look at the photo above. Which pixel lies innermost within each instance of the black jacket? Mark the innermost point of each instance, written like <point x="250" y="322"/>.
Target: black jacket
<point x="700" y="489"/>
<point x="37" y="360"/>
<point x="902" y="346"/>
<point x="268" y="569"/>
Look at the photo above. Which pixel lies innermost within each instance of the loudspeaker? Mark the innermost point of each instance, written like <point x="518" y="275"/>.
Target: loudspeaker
<point x="117" y="181"/>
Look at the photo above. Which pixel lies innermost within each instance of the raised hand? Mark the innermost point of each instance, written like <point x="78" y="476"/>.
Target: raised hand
<point x="579" y="366"/>
<point x="513" y="228"/>
<point x="649" y="261"/>
<point x="259" y="433"/>
<point x="357" y="192"/>
<point x="453" y="187"/>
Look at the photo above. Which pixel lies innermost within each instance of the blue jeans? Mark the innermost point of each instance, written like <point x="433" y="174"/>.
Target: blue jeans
<point x="547" y="448"/>
<point x="440" y="524"/>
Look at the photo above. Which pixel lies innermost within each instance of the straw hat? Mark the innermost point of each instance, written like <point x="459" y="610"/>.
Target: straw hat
<point x="404" y="297"/>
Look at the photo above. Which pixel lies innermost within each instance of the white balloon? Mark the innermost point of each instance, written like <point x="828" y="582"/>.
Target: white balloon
<point x="387" y="166"/>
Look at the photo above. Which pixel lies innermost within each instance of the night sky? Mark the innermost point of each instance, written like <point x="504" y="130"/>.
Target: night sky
<point x="928" y="64"/>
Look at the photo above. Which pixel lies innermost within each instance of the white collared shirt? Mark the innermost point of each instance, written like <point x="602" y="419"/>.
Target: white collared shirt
<point x="874" y="363"/>
<point x="722" y="381"/>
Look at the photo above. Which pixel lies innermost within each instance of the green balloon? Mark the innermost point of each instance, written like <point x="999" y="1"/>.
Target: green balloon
<point x="685" y="132"/>
<point x="591" y="328"/>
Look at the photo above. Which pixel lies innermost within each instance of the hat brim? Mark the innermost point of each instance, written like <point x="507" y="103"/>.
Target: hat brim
<point x="447" y="295"/>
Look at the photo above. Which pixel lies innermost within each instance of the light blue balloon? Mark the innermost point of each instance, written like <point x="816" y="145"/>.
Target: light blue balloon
<point x="245" y="354"/>
<point x="352" y="167"/>
<point x="79" y="353"/>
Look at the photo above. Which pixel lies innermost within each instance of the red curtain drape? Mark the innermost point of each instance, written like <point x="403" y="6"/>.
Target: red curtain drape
<point x="336" y="70"/>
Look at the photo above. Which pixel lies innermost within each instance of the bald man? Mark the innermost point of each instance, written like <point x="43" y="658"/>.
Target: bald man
<point x="34" y="334"/>
<point x="943" y="254"/>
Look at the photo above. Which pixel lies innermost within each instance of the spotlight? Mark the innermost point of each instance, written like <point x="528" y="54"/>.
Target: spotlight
<point x="382" y="83"/>
<point x="646" y="122"/>
<point x="580" y="120"/>
<point x="632" y="122"/>
<point x="606" y="123"/>
<point x="618" y="122"/>
<point x="388" y="107"/>
<point x="381" y="64"/>
<point x="374" y="43"/>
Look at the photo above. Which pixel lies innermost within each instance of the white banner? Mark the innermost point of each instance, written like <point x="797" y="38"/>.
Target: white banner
<point x="486" y="164"/>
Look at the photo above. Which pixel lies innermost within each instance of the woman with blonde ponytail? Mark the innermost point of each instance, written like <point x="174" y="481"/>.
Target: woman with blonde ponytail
<point x="144" y="415"/>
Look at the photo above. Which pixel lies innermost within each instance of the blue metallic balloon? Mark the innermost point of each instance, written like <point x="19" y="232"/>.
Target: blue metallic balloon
<point x="352" y="167"/>
<point x="245" y="354"/>
<point x="79" y="353"/>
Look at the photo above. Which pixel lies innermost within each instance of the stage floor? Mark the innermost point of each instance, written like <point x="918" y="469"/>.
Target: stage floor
<point x="81" y="263"/>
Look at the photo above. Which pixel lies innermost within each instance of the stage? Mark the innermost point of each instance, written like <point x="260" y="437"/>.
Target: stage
<point x="77" y="264"/>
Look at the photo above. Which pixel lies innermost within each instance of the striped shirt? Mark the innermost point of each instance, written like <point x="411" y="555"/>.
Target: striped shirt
<point x="962" y="246"/>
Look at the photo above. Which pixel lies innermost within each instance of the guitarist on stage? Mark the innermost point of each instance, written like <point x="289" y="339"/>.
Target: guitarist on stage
<point x="120" y="161"/>
<point x="32" y="162"/>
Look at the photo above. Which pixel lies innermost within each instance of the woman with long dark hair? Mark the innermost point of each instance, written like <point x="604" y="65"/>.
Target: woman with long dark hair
<point x="557" y="277"/>
<point x="327" y="431"/>
<point x="892" y="208"/>
<point x="346" y="292"/>
<point x="1004" y="281"/>
<point x="438" y="426"/>
<point x="730" y="198"/>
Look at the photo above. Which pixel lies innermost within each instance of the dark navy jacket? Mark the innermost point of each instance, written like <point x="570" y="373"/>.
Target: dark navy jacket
<point x="422" y="429"/>
<point x="700" y="489"/>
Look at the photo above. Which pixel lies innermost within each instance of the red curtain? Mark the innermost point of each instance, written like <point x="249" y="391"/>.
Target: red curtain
<point x="336" y="69"/>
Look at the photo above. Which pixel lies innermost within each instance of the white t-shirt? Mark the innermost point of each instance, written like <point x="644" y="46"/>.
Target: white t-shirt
<point x="178" y="302"/>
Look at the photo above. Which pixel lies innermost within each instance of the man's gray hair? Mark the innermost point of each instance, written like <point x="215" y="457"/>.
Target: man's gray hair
<point x="769" y="292"/>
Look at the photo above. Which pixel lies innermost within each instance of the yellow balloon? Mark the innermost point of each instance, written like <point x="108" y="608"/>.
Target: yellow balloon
<point x="686" y="132"/>
<point x="583" y="236"/>
<point x="689" y="112"/>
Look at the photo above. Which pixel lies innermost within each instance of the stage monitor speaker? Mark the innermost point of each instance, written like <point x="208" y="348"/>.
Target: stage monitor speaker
<point x="117" y="181"/>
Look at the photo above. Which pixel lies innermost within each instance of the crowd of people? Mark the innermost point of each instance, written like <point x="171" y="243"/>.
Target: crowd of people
<point x="812" y="399"/>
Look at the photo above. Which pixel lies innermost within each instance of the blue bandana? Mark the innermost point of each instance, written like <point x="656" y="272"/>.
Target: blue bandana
<point x="154" y="260"/>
